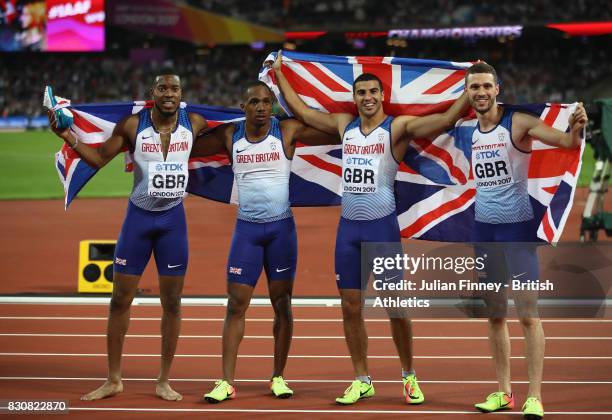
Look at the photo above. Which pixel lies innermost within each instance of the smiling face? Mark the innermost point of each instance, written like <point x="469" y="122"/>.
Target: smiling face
<point x="368" y="97"/>
<point x="167" y="94"/>
<point x="257" y="104"/>
<point x="482" y="91"/>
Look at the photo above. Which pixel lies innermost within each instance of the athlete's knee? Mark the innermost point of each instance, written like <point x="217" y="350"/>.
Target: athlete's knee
<point x="280" y="299"/>
<point x="281" y="305"/>
<point x="171" y="304"/>
<point x="120" y="302"/>
<point x="236" y="307"/>
<point x="529" y="322"/>
<point x="123" y="295"/>
<point x="351" y="308"/>
<point x="170" y="291"/>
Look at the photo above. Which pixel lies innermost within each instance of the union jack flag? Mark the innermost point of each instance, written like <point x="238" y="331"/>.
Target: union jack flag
<point x="434" y="185"/>
<point x="94" y="123"/>
<point x="434" y="188"/>
<point x="209" y="177"/>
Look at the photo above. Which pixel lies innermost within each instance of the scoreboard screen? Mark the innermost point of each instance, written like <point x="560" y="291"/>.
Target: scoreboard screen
<point x="52" y="25"/>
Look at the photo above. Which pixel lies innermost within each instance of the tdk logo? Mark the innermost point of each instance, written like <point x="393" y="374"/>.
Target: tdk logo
<point x="169" y="167"/>
<point x="359" y="161"/>
<point x="488" y="154"/>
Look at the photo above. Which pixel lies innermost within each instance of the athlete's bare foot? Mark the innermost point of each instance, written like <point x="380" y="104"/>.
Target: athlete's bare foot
<point x="109" y="389"/>
<point x="165" y="392"/>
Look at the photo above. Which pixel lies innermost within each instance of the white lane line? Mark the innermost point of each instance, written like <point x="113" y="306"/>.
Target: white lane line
<point x="301" y="356"/>
<point x="339" y="320"/>
<point x="154" y="301"/>
<point x="337" y="411"/>
<point x="298" y="337"/>
<point x="390" y="381"/>
<point x="257" y="301"/>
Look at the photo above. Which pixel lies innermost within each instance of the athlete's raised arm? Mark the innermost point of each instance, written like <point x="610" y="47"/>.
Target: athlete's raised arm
<point x="529" y="126"/>
<point x="97" y="157"/>
<point x="298" y="131"/>
<point x="330" y="123"/>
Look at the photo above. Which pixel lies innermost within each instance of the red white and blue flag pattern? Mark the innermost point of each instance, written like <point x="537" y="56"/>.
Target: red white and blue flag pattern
<point x="434" y="185"/>
<point x="94" y="123"/>
<point x="434" y="188"/>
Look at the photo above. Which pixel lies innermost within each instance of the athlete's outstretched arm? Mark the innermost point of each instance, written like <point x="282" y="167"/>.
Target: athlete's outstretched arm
<point x="97" y="157"/>
<point x="330" y="123"/>
<point x="309" y="135"/>
<point x="536" y="128"/>
<point x="434" y="124"/>
<point x="210" y="142"/>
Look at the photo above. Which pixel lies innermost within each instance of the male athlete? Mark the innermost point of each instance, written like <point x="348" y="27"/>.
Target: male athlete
<point x="373" y="145"/>
<point x="501" y="148"/>
<point x="161" y="141"/>
<point x="261" y="149"/>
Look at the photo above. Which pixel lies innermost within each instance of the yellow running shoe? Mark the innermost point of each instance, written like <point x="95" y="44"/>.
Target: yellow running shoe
<point x="279" y="387"/>
<point x="412" y="391"/>
<point x="533" y="409"/>
<point x="356" y="391"/>
<point x="495" y="402"/>
<point x="221" y="392"/>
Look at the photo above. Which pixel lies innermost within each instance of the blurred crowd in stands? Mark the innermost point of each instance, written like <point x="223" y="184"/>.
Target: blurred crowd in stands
<point x="531" y="70"/>
<point x="213" y="79"/>
<point x="300" y="14"/>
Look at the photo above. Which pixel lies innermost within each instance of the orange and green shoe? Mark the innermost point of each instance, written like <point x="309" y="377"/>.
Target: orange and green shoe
<point x="412" y="392"/>
<point x="533" y="409"/>
<point x="495" y="402"/>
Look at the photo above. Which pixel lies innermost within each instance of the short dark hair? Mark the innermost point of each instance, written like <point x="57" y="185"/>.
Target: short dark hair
<point x="481" y="67"/>
<point x="365" y="77"/>
<point x="256" y="83"/>
<point x="166" y="72"/>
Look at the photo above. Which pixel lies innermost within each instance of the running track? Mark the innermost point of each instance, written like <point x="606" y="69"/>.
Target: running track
<point x="57" y="352"/>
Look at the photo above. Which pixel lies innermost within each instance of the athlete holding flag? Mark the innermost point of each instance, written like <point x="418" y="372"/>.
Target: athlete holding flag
<point x="373" y="146"/>
<point x="501" y="150"/>
<point x="161" y="140"/>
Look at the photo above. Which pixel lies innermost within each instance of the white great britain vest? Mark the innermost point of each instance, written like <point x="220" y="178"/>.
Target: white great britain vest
<point x="261" y="170"/>
<point x="500" y="174"/>
<point x="368" y="172"/>
<point x="160" y="184"/>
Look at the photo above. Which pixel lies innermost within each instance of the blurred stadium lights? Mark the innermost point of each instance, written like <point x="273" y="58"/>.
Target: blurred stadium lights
<point x="358" y="43"/>
<point x="503" y="33"/>
<point x="365" y="35"/>
<point x="305" y="35"/>
<point x="394" y="42"/>
<point x="258" y="45"/>
<point x="181" y="21"/>
<point x="583" y="28"/>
